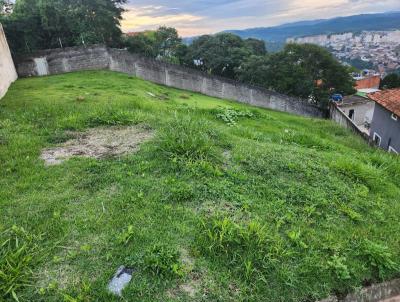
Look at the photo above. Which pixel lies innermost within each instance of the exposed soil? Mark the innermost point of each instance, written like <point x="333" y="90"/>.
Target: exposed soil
<point x="193" y="283"/>
<point x="98" y="143"/>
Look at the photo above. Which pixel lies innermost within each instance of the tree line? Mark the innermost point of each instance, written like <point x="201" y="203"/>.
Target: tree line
<point x="31" y="25"/>
<point x="306" y="71"/>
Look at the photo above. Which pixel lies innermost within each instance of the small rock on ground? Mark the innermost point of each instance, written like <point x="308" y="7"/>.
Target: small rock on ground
<point x="120" y="280"/>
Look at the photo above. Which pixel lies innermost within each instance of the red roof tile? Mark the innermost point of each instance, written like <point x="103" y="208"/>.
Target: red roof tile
<point x="390" y="99"/>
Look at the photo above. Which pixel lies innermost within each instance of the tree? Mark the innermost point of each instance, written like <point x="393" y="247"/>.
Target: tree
<point x="257" y="47"/>
<point x="167" y="42"/>
<point x="163" y="44"/>
<point x="220" y="54"/>
<point x="306" y="71"/>
<point x="39" y="24"/>
<point x="142" y="43"/>
<point x="95" y="21"/>
<point x="390" y="81"/>
<point x="254" y="70"/>
<point x="23" y="27"/>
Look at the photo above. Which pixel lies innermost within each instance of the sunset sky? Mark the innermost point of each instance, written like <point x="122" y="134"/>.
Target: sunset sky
<point x="194" y="17"/>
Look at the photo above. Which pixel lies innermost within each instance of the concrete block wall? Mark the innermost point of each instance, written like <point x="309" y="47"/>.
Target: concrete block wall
<point x="189" y="79"/>
<point x="384" y="292"/>
<point x="8" y="73"/>
<point x="58" y="61"/>
<point x="343" y="120"/>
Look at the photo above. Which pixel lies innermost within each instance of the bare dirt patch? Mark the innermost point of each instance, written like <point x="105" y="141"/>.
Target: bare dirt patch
<point x="193" y="283"/>
<point x="99" y="143"/>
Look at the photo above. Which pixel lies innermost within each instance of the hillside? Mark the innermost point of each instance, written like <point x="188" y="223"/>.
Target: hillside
<point x="215" y="200"/>
<point x="357" y="23"/>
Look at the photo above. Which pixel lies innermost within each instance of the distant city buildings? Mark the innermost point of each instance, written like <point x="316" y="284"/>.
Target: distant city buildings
<point x="377" y="50"/>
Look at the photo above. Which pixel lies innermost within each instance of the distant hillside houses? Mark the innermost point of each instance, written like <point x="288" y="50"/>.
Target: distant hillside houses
<point x="368" y="49"/>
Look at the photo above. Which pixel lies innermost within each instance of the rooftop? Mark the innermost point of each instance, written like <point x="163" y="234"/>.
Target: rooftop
<point x="389" y="99"/>
<point x="354" y="99"/>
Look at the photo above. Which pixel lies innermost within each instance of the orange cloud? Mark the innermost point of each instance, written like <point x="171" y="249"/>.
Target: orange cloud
<point x="138" y="19"/>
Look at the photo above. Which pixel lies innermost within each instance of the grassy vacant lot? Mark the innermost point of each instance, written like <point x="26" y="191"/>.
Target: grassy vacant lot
<point x="225" y="203"/>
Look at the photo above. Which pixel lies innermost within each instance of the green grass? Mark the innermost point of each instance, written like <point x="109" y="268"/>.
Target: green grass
<point x="236" y="202"/>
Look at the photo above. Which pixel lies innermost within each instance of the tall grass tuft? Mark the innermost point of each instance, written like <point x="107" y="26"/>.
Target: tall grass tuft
<point x="163" y="260"/>
<point x="243" y="245"/>
<point x="110" y="117"/>
<point x="17" y="255"/>
<point x="380" y="258"/>
<point x="189" y="139"/>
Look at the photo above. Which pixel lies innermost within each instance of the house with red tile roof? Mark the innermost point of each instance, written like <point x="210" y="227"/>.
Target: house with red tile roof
<point x="385" y="126"/>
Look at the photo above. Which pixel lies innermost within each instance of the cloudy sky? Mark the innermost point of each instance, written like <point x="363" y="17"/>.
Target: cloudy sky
<point x="193" y="17"/>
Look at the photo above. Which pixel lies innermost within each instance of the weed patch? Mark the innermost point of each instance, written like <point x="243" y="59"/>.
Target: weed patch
<point x="163" y="260"/>
<point x="231" y="116"/>
<point x="243" y="245"/>
<point x="189" y="139"/>
<point x="59" y="137"/>
<point x="114" y="118"/>
<point x="380" y="258"/>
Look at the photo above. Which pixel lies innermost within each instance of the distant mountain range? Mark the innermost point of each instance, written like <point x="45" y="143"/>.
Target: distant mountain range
<point x="357" y="23"/>
<point x="276" y="36"/>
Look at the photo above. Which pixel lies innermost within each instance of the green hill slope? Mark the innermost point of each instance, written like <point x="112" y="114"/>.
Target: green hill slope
<point x="225" y="203"/>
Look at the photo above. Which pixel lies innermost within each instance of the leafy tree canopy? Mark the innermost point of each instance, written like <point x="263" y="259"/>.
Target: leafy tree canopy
<point x="221" y="54"/>
<point x="256" y="46"/>
<point x="391" y="81"/>
<point x="300" y="70"/>
<point x="164" y="44"/>
<point x="40" y="24"/>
